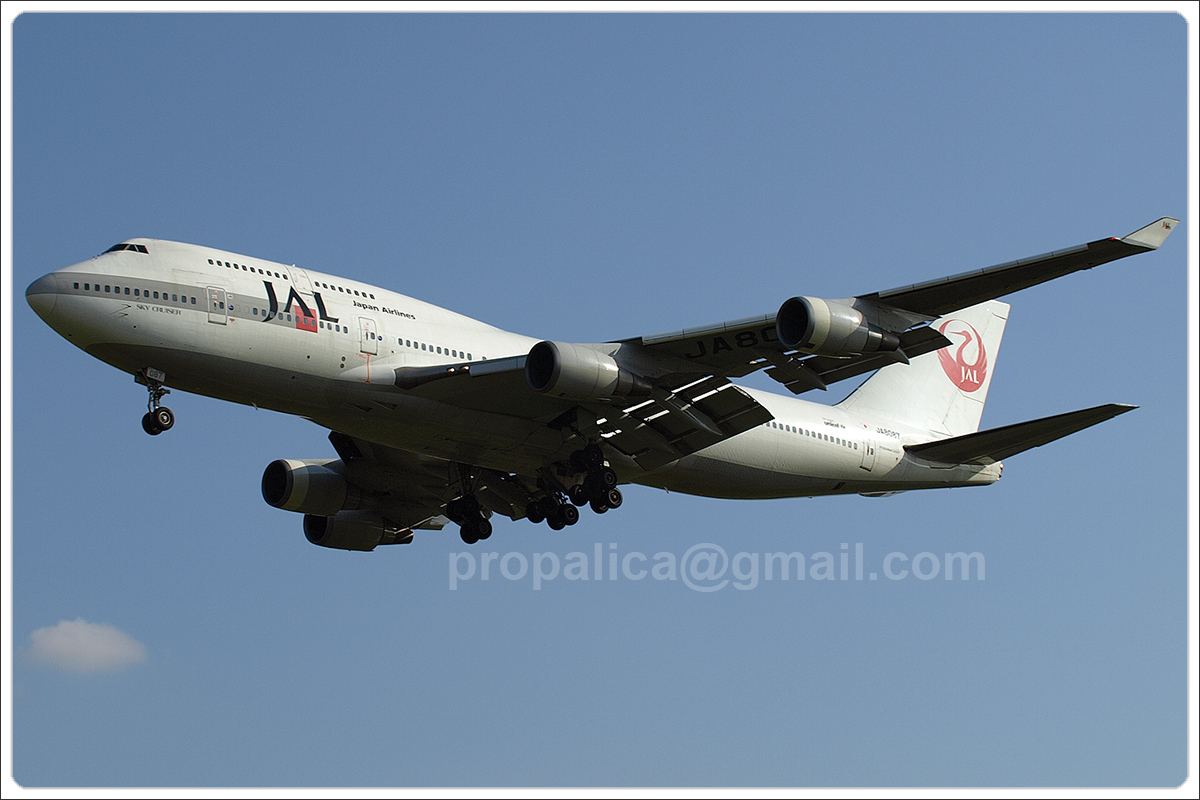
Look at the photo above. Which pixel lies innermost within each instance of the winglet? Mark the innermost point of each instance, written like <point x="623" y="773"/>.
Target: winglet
<point x="1153" y="234"/>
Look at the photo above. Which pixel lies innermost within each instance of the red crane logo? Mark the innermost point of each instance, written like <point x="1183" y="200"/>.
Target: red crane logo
<point x="965" y="366"/>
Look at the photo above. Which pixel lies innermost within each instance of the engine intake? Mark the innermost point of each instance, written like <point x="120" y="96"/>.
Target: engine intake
<point x="578" y="372"/>
<point x="310" y="487"/>
<point x="826" y="327"/>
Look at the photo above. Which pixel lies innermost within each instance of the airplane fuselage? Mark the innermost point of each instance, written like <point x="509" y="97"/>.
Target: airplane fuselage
<point x="326" y="348"/>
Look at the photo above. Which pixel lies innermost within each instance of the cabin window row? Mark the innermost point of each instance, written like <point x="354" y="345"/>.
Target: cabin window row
<point x="347" y="291"/>
<point x="146" y="293"/>
<point x="825" y="437"/>
<point x="245" y="268"/>
<point x="434" y="348"/>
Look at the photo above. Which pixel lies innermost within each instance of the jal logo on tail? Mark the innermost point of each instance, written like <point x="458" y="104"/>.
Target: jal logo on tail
<point x="964" y="359"/>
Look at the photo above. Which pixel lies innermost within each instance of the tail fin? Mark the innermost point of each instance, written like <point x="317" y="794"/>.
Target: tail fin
<point x="943" y="391"/>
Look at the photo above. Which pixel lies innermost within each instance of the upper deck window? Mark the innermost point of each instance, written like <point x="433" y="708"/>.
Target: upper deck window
<point x="137" y="248"/>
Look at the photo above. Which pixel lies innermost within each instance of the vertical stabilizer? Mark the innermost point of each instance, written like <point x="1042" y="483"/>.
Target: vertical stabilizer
<point x="942" y="391"/>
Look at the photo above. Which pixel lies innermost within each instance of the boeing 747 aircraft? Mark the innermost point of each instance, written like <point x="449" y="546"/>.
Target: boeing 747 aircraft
<point x="437" y="417"/>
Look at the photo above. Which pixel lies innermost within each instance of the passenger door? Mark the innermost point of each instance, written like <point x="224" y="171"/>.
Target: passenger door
<point x="868" y="455"/>
<point x="218" y="307"/>
<point x="368" y="336"/>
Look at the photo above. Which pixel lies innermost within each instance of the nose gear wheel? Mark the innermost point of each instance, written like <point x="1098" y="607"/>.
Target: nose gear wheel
<point x="158" y="418"/>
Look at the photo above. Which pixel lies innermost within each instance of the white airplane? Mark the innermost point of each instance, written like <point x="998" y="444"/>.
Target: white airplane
<point x="434" y="415"/>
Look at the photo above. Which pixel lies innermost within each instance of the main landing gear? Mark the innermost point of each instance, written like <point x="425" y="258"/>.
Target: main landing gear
<point x="598" y="490"/>
<point x="158" y="418"/>
<point x="467" y="513"/>
<point x="556" y="502"/>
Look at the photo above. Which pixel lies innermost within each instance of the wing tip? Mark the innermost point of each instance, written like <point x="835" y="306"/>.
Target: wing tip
<point x="1153" y="235"/>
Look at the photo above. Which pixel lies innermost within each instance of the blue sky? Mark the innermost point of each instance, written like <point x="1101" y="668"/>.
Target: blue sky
<point x="585" y="178"/>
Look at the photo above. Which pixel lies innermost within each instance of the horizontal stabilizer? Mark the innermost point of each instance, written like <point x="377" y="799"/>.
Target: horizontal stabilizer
<point x="997" y="444"/>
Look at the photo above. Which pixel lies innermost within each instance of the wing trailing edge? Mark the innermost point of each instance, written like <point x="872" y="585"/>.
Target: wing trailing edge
<point x="997" y="444"/>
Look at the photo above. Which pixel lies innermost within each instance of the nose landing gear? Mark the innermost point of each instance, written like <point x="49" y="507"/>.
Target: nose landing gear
<point x="158" y="418"/>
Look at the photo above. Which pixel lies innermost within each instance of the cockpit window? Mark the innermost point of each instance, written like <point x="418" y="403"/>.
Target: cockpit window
<point x="137" y="248"/>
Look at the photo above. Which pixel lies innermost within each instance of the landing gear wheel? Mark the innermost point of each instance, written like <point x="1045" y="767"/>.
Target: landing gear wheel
<point x="556" y="523"/>
<point x="569" y="514"/>
<point x="158" y="418"/>
<point x="483" y="528"/>
<point x="593" y="456"/>
<point x="579" y="494"/>
<point x="549" y="506"/>
<point x="607" y="478"/>
<point x="150" y="424"/>
<point x="468" y="534"/>
<point x="533" y="512"/>
<point x="164" y="419"/>
<point x="612" y="498"/>
<point x="598" y="506"/>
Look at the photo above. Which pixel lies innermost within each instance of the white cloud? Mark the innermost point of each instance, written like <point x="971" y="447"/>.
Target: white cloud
<point x="85" y="647"/>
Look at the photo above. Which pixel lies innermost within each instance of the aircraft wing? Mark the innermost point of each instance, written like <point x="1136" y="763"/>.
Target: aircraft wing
<point x="415" y="482"/>
<point x="684" y="411"/>
<point x="938" y="297"/>
<point x="997" y="444"/>
<point x="742" y="346"/>
<point x="417" y="487"/>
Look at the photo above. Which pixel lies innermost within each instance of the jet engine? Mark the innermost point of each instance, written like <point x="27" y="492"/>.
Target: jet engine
<point x="352" y="530"/>
<point x="827" y="327"/>
<point x="579" y="372"/>
<point x="311" y="487"/>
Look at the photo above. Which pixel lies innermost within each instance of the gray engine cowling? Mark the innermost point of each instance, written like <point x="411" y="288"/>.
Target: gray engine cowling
<point x="827" y="327"/>
<point x="310" y="487"/>
<point x="352" y="530"/>
<point x="578" y="372"/>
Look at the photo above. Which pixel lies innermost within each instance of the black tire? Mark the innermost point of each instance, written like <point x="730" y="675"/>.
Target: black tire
<point x="593" y="456"/>
<point x="556" y="523"/>
<point x="549" y="506"/>
<point x="598" y="506"/>
<point x="483" y="528"/>
<point x="579" y="495"/>
<point x="533" y="512"/>
<point x="467" y="533"/>
<point x="613" y="499"/>
<point x="164" y="418"/>
<point x="607" y="478"/>
<point x="591" y="487"/>
<point x="570" y="514"/>
<point x="454" y="512"/>
<point x="150" y="425"/>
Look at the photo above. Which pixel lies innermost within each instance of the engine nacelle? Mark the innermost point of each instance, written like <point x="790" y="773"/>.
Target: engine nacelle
<point x="310" y="487"/>
<point x="826" y="327"/>
<point x="349" y="530"/>
<point x="574" y="371"/>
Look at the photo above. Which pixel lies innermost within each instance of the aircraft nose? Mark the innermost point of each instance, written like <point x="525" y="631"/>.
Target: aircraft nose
<point x="42" y="294"/>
